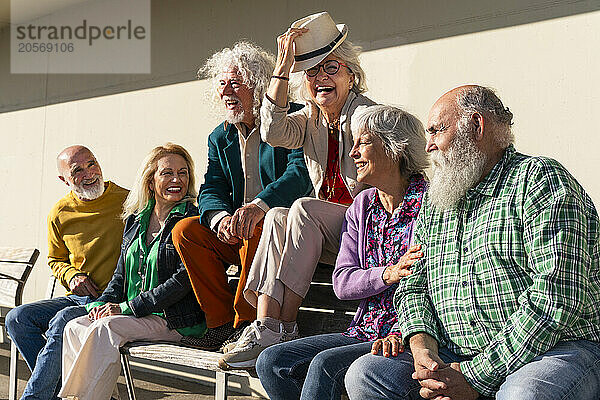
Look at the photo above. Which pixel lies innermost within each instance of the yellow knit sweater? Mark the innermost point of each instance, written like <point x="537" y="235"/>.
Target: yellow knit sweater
<point x="85" y="236"/>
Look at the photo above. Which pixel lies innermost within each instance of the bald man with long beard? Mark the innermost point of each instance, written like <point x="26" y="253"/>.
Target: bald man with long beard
<point x="84" y="237"/>
<point x="505" y="302"/>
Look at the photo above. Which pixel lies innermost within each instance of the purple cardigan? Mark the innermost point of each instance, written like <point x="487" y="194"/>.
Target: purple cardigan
<point x="352" y="280"/>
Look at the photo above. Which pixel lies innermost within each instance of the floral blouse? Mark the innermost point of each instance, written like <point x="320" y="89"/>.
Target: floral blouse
<point x="388" y="238"/>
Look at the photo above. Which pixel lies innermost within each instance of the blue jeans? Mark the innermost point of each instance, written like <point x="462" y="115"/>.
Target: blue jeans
<point x="309" y="368"/>
<point x="36" y="330"/>
<point x="569" y="371"/>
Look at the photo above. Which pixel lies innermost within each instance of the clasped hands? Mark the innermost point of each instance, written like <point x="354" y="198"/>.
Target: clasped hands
<point x="105" y="310"/>
<point x="83" y="285"/>
<point x="240" y="225"/>
<point x="438" y="380"/>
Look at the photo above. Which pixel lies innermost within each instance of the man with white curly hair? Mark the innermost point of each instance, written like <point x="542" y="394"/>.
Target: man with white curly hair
<point x="504" y="302"/>
<point x="244" y="179"/>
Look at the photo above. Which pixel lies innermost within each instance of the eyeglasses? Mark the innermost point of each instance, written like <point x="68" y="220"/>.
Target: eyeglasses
<point x="330" y="67"/>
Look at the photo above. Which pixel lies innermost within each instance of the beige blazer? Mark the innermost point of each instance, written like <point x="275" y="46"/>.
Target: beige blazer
<point x="307" y="128"/>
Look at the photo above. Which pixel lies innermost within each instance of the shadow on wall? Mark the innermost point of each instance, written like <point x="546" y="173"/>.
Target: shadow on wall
<point x="185" y="32"/>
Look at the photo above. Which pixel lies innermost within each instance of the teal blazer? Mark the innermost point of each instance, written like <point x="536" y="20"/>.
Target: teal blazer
<point x="283" y="174"/>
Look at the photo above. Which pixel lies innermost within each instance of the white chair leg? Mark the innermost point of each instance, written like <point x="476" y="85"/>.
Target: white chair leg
<point x="221" y="386"/>
<point x="128" y="378"/>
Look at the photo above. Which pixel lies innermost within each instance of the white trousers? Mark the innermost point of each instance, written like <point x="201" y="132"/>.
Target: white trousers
<point x="90" y="366"/>
<point x="293" y="241"/>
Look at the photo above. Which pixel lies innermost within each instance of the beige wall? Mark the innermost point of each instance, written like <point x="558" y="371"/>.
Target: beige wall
<point x="184" y="32"/>
<point x="120" y="129"/>
<point x="546" y="72"/>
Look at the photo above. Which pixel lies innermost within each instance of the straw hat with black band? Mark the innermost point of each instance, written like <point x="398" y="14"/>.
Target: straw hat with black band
<point x="323" y="37"/>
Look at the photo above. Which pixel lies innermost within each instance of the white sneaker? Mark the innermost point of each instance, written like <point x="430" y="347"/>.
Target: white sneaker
<point x="255" y="338"/>
<point x="228" y="347"/>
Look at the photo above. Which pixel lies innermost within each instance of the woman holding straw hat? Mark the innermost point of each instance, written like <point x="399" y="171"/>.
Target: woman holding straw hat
<point x="294" y="240"/>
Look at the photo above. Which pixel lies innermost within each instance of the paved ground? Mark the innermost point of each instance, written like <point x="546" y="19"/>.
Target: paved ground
<point x="168" y="388"/>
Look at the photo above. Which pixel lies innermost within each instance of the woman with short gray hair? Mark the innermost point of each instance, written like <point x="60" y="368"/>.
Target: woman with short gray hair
<point x="401" y="135"/>
<point x="375" y="254"/>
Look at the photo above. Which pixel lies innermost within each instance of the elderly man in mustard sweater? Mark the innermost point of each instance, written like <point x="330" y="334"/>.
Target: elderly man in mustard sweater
<point x="84" y="238"/>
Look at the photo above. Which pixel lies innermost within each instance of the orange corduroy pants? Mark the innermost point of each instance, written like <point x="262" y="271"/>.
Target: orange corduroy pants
<point x="206" y="259"/>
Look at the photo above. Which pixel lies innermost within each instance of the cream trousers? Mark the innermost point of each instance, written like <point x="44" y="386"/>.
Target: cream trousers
<point x="293" y="241"/>
<point x="90" y="366"/>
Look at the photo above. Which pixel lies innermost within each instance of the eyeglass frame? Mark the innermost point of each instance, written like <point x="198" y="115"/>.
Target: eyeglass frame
<point x="322" y="66"/>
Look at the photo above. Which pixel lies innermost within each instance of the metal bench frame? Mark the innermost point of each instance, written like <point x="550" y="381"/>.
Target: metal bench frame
<point x="321" y="312"/>
<point x="15" y="267"/>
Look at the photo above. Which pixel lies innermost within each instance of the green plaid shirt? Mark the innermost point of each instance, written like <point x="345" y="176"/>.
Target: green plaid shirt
<point x="508" y="273"/>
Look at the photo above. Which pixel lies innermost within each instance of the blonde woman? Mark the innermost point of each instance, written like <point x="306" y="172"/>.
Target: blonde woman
<point x="150" y="295"/>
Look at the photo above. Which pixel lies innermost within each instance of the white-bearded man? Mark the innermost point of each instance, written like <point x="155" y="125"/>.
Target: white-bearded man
<point x="84" y="239"/>
<point x="504" y="303"/>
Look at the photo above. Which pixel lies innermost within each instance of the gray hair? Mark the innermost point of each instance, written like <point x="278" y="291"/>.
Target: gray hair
<point x="484" y="100"/>
<point x="348" y="53"/>
<point x="401" y="133"/>
<point x="254" y="64"/>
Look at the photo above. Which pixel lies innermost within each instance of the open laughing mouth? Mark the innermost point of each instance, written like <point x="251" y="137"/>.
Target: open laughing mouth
<point x="174" y="189"/>
<point x="232" y="103"/>
<point x="324" y="89"/>
<point x="90" y="182"/>
<point x="360" y="165"/>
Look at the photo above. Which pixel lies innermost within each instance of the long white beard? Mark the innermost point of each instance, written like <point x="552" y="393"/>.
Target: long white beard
<point x="455" y="171"/>
<point x="234" y="117"/>
<point x="91" y="193"/>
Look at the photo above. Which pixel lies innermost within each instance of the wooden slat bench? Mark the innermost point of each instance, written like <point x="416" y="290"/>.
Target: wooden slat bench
<point x="321" y="312"/>
<point x="15" y="266"/>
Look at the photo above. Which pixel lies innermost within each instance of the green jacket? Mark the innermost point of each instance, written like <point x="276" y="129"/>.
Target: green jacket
<point x="283" y="174"/>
